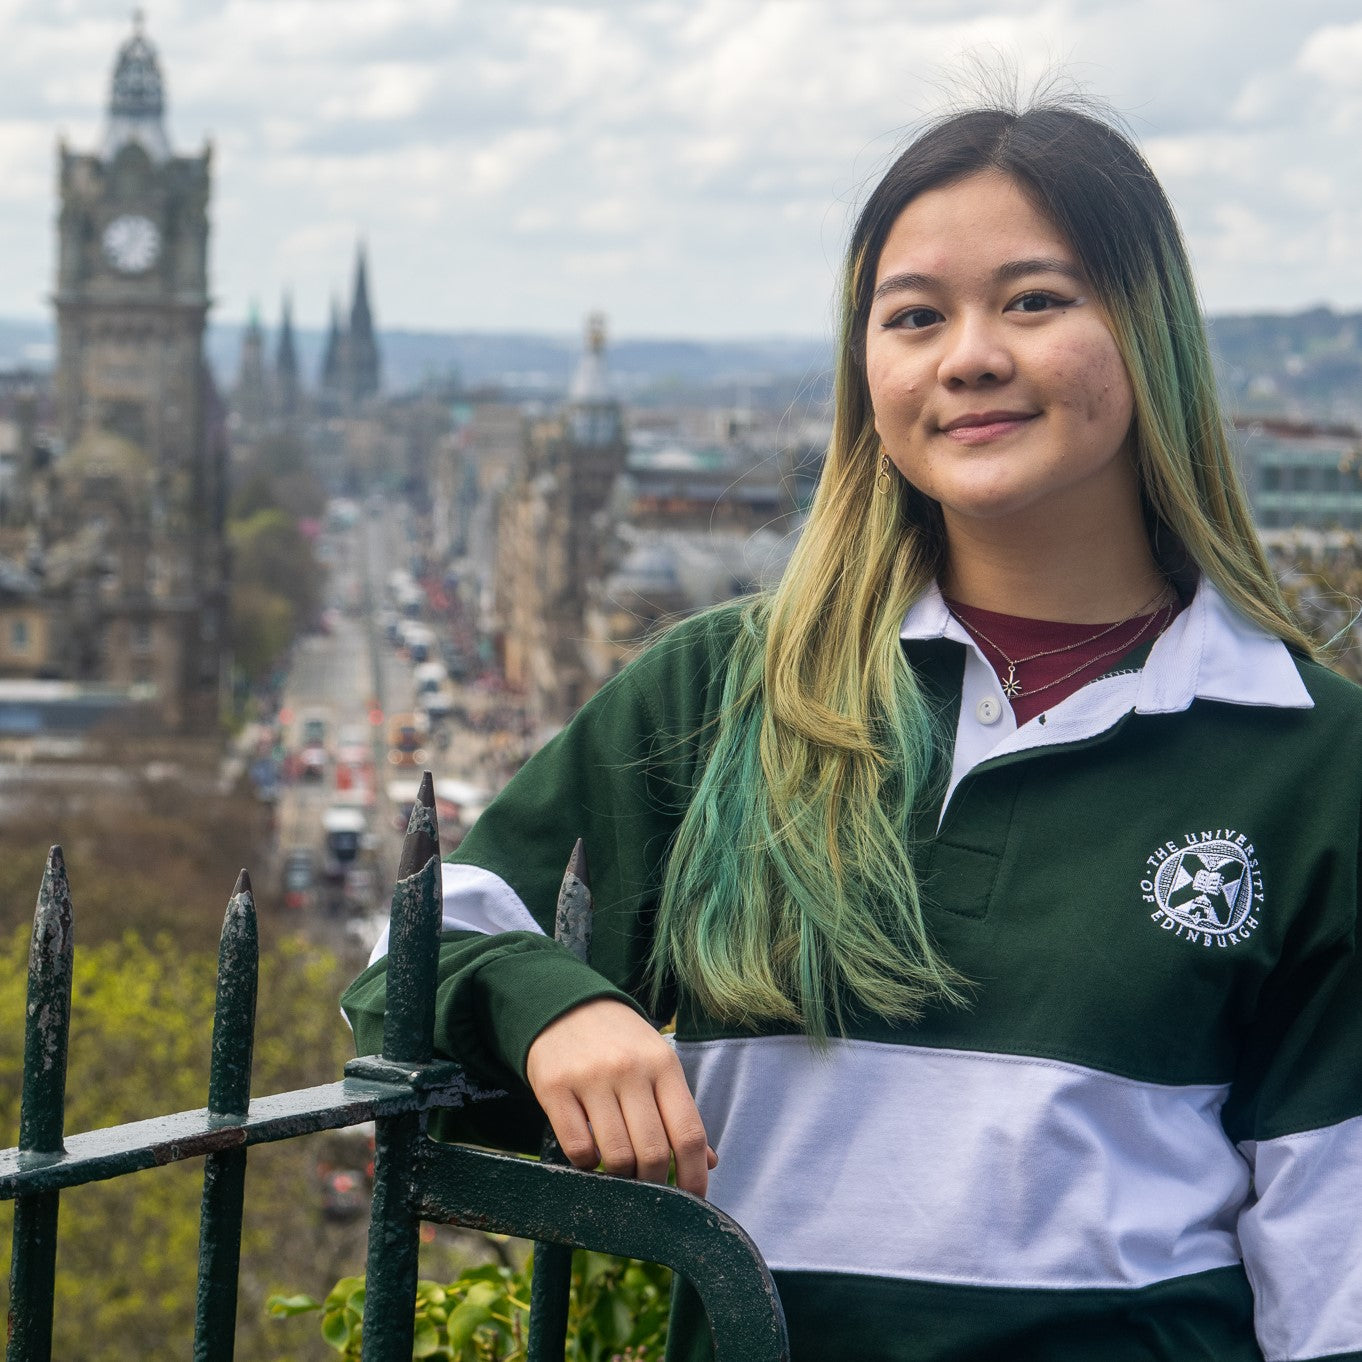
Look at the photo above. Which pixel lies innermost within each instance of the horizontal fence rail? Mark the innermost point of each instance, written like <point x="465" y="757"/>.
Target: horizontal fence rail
<point x="415" y="1178"/>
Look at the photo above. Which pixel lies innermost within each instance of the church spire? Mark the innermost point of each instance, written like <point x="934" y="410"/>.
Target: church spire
<point x="361" y="343"/>
<point x="361" y="318"/>
<point x="332" y="379"/>
<point x="286" y="363"/>
<point x="252" y="389"/>
<point x="136" y="99"/>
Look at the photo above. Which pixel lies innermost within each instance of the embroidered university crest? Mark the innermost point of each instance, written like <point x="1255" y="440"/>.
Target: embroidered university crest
<point x="1207" y="889"/>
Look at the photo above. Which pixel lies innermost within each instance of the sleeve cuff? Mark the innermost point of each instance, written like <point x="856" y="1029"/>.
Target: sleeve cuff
<point x="520" y="993"/>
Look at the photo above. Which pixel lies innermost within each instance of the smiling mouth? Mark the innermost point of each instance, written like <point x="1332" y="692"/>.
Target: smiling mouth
<point x="990" y="427"/>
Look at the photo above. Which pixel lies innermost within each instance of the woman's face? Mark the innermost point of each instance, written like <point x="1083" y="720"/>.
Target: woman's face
<point x="996" y="384"/>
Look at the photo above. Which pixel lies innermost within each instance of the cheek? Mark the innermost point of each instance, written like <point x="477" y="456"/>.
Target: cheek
<point x="894" y="394"/>
<point x="1094" y="384"/>
<point x="1112" y="400"/>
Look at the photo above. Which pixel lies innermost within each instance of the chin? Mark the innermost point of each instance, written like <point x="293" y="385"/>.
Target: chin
<point x="991" y="506"/>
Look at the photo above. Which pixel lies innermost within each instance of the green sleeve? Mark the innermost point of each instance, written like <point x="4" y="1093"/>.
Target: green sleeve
<point x="474" y="1026"/>
<point x="1300" y="1066"/>
<point x="617" y="776"/>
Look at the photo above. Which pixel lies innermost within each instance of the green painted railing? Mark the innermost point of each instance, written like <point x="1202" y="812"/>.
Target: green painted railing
<point x="415" y="1178"/>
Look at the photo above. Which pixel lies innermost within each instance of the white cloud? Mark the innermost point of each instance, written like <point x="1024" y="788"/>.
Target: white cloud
<point x="509" y="160"/>
<point x="1334" y="53"/>
<point x="686" y="164"/>
<point x="25" y="162"/>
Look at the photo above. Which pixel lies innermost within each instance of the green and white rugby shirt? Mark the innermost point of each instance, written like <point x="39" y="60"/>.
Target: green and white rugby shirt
<point x="1144" y="1138"/>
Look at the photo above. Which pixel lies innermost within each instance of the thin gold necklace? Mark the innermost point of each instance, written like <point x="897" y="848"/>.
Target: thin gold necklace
<point x="1012" y="686"/>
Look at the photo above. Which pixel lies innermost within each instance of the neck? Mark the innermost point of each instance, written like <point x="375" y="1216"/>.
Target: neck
<point x="1079" y="573"/>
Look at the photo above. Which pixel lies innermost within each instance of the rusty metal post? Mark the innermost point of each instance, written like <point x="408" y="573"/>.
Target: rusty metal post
<point x="551" y="1283"/>
<point x="409" y="1038"/>
<point x="229" y="1100"/>
<point x="42" y="1114"/>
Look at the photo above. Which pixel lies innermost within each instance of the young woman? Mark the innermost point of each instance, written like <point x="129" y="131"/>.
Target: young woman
<point x="1001" y="868"/>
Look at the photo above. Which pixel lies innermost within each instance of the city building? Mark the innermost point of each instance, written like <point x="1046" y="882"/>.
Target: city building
<point x="553" y="534"/>
<point x="1302" y="475"/>
<point x="127" y="521"/>
<point x="600" y="540"/>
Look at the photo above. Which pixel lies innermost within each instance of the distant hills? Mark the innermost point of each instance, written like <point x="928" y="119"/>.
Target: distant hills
<point x="1304" y="365"/>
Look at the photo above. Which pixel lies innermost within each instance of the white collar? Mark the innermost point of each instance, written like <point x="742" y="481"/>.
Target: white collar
<point x="1209" y="652"/>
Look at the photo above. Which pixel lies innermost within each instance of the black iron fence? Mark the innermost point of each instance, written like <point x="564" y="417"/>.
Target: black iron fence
<point x="415" y="1178"/>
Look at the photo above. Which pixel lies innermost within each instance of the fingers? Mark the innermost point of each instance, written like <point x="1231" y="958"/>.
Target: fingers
<point x="615" y="1094"/>
<point x="649" y="1155"/>
<point x="685" y="1132"/>
<point x="571" y="1129"/>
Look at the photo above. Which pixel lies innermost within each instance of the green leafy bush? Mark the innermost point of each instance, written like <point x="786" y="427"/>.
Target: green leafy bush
<point x="141" y="1035"/>
<point x="618" y="1313"/>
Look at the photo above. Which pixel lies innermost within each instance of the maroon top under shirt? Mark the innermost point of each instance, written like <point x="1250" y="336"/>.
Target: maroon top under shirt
<point x="1046" y="681"/>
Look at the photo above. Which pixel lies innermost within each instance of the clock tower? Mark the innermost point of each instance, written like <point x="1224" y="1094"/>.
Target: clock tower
<point x="135" y="404"/>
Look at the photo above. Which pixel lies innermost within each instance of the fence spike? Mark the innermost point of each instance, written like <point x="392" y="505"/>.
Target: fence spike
<point x="551" y="1282"/>
<point x="423" y="831"/>
<point x="229" y="1094"/>
<point x="572" y="917"/>
<point x="414" y="937"/>
<point x="408" y="1037"/>
<point x="48" y="1024"/>
<point x="42" y="1111"/>
<point x="229" y="1082"/>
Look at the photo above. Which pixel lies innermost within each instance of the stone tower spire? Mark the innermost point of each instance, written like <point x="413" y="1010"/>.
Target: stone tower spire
<point x="593" y="414"/>
<point x="144" y="467"/>
<point x="252" y="394"/>
<point x="361" y="342"/>
<point x="286" y="363"/>
<point x="136" y="100"/>
<point x="332" y="377"/>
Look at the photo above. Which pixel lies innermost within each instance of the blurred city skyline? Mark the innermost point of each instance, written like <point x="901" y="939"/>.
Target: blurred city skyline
<point x="688" y="168"/>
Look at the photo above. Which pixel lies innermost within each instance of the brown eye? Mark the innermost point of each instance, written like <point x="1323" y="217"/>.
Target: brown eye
<point x="914" y="319"/>
<point x="1037" y="301"/>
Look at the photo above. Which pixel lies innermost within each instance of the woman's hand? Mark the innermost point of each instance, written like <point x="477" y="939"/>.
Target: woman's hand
<point x="615" y="1094"/>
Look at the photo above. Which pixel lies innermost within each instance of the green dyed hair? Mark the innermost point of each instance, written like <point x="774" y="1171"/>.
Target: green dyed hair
<point x="790" y="893"/>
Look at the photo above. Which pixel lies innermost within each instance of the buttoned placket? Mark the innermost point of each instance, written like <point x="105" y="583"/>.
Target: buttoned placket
<point x="1208" y="651"/>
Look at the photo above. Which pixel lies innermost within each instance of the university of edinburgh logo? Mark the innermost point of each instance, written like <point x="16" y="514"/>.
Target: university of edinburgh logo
<point x="1206" y="890"/>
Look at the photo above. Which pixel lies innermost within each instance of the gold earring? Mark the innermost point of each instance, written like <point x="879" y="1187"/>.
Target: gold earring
<point x="883" y="482"/>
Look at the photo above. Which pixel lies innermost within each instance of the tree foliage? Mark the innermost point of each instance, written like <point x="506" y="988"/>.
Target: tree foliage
<point x="277" y="587"/>
<point x="141" y="1027"/>
<point x="151" y="858"/>
<point x="1322" y="579"/>
<point x="151" y="870"/>
<point x="277" y="582"/>
<point x="618" y="1313"/>
<point x="276" y="474"/>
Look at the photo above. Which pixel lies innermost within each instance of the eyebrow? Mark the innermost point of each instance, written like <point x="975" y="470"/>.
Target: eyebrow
<point x="1006" y="273"/>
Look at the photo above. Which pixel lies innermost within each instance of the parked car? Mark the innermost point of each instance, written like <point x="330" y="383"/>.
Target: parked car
<point x="343" y="829"/>
<point x="434" y="694"/>
<point x="418" y="640"/>
<point x="312" y="753"/>
<point x="299" y="878"/>
<point x="406" y="741"/>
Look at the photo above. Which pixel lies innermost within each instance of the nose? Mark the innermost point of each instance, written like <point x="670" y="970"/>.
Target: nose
<point x="975" y="352"/>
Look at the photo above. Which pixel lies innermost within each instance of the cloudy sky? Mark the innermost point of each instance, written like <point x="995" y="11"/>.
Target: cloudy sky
<point x="688" y="166"/>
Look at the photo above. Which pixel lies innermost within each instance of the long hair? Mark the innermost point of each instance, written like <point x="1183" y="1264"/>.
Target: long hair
<point x="791" y="893"/>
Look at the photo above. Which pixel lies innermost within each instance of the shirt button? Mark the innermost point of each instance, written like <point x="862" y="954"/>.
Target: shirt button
<point x="988" y="710"/>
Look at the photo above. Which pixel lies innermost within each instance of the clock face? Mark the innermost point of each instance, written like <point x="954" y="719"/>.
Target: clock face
<point x="132" y="243"/>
